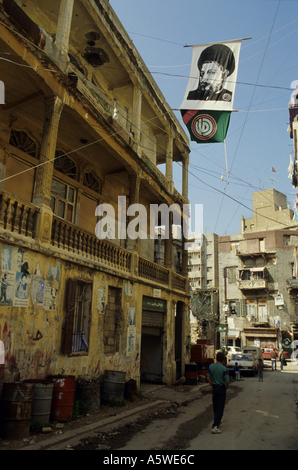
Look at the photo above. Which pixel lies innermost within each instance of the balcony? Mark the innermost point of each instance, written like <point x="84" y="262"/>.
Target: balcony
<point x="254" y="278"/>
<point x="292" y="284"/>
<point x="18" y="216"/>
<point x="252" y="284"/>
<point x="21" y="218"/>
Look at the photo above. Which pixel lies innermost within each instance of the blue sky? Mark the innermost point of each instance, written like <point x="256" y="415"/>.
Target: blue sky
<point x="257" y="138"/>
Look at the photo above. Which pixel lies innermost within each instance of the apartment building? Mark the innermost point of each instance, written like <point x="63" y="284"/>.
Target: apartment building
<point x="84" y="126"/>
<point x="204" y="283"/>
<point x="257" y="273"/>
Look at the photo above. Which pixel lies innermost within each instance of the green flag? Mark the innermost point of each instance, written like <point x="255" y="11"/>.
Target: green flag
<point x="206" y="126"/>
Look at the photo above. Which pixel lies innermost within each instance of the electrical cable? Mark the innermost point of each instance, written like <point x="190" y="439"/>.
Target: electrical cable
<point x="114" y="135"/>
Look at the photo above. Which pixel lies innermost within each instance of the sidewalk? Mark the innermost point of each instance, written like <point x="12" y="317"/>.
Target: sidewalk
<point x="154" y="397"/>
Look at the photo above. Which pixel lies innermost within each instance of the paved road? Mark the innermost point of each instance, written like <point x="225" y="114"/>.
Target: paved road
<point x="262" y="417"/>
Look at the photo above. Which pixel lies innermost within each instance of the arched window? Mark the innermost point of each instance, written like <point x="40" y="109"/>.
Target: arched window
<point x="22" y="141"/>
<point x="91" y="182"/>
<point x="65" y="165"/>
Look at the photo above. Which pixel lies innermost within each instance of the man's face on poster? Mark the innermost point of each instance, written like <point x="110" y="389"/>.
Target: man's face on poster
<point x="212" y="78"/>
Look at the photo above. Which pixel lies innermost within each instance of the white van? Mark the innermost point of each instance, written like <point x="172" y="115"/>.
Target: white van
<point x="255" y="351"/>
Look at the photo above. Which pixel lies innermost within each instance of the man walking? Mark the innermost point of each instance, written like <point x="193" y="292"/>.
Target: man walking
<point x="273" y="359"/>
<point x="218" y="378"/>
<point x="282" y="359"/>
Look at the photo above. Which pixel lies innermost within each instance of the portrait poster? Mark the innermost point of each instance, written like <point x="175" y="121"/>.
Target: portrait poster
<point x="37" y="291"/>
<point x="6" y="258"/>
<point x="21" y="293"/>
<point x="20" y="260"/>
<point x="131" y="338"/>
<point x="209" y="96"/>
<point x="50" y="296"/>
<point x="101" y="298"/>
<point x="7" y="283"/>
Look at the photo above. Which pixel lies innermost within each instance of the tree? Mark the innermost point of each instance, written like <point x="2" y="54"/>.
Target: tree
<point x="201" y="307"/>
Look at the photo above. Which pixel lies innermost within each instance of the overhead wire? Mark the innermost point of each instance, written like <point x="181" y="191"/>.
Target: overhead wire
<point x="250" y="104"/>
<point x="84" y="146"/>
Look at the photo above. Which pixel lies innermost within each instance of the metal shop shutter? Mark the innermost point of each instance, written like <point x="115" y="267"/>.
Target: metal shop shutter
<point x="153" y="319"/>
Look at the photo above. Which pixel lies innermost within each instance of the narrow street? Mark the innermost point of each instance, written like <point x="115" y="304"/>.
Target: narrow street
<point x="258" y="416"/>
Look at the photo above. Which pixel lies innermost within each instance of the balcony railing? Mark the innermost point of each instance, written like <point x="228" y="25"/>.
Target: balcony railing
<point x="153" y="272"/>
<point x="20" y="217"/>
<point x="17" y="216"/>
<point x="75" y="240"/>
<point x="252" y="284"/>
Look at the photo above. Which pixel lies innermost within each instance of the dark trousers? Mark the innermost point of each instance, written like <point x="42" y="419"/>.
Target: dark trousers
<point x="219" y="401"/>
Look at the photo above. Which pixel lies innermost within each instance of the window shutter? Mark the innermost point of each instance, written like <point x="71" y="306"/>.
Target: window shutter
<point x="72" y="286"/>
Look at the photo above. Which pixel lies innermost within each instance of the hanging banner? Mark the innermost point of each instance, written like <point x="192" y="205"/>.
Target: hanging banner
<point x="209" y="96"/>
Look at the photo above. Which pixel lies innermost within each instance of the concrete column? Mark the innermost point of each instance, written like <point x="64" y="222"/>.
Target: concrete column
<point x="42" y="194"/>
<point x="64" y="26"/>
<point x="134" y="197"/>
<point x="169" y="161"/>
<point x="53" y="110"/>
<point x="136" y="117"/>
<point x="185" y="165"/>
<point x="184" y="227"/>
<point x="169" y="243"/>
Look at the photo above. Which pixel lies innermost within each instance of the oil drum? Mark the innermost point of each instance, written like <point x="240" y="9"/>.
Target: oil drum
<point x="63" y="397"/>
<point x="15" y="410"/>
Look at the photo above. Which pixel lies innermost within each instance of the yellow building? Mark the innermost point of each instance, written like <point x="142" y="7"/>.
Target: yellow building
<point x="83" y="124"/>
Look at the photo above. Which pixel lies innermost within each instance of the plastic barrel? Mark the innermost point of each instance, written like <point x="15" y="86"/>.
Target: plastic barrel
<point x="43" y="394"/>
<point x="15" y="410"/>
<point x="63" y="397"/>
<point x="113" y="385"/>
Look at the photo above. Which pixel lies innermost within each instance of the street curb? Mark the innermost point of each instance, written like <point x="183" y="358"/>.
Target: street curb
<point x="58" y="440"/>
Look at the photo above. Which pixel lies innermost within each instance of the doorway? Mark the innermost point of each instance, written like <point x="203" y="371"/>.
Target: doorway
<point x="153" y="327"/>
<point x="178" y="338"/>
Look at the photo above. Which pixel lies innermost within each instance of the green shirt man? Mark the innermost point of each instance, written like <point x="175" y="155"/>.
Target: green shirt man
<point x="218" y="378"/>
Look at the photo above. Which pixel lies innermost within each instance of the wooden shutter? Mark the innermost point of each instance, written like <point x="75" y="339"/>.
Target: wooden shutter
<point x="71" y="295"/>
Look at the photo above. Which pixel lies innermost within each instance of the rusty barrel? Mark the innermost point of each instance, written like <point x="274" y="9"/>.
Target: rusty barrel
<point x="63" y="397"/>
<point x="89" y="394"/>
<point x="43" y="394"/>
<point x="113" y="385"/>
<point x="15" y="410"/>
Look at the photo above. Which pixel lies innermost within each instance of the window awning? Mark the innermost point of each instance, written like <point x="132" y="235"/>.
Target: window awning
<point x="257" y="270"/>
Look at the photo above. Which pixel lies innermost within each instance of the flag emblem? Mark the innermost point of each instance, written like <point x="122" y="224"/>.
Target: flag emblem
<point x="204" y="126"/>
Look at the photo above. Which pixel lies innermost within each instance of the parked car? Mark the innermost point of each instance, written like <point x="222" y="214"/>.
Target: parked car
<point x="266" y="353"/>
<point x="232" y="350"/>
<point x="246" y="362"/>
<point x="254" y="351"/>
